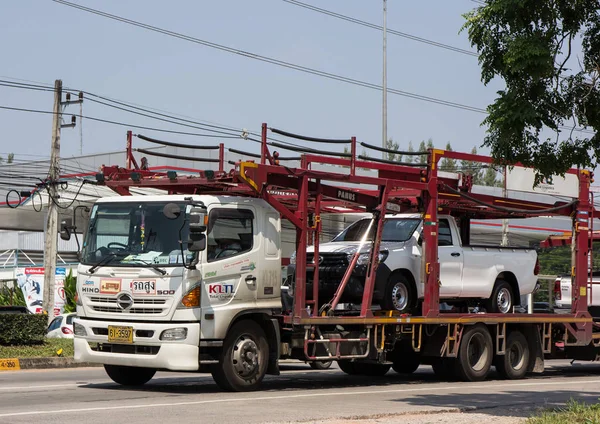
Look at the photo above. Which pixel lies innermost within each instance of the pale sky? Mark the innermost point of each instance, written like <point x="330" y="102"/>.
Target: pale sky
<point x="44" y="41"/>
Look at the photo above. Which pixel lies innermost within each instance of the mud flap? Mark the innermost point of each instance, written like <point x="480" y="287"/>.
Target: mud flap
<point x="536" y="355"/>
<point x="274" y="337"/>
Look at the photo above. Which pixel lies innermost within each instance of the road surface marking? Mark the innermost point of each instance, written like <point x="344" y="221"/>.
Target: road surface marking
<point x="301" y="395"/>
<point x="38" y="387"/>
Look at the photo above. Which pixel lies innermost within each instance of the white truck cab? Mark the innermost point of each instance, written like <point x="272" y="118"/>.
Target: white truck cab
<point x="146" y="300"/>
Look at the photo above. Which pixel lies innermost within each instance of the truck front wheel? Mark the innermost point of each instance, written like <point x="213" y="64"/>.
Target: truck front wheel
<point x="129" y="376"/>
<point x="244" y="359"/>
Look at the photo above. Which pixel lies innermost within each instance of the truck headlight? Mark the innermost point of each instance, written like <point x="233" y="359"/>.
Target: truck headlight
<point x="79" y="330"/>
<point x="174" y="334"/>
<point x="191" y="299"/>
<point x="363" y="259"/>
<point x="293" y="259"/>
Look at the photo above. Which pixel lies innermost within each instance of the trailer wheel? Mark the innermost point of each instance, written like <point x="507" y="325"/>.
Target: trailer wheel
<point x="475" y="353"/>
<point x="244" y="359"/>
<point x="502" y="300"/>
<point x="444" y="368"/>
<point x="399" y="294"/>
<point x="513" y="364"/>
<point x="404" y="359"/>
<point x="129" y="376"/>
<point x="320" y="365"/>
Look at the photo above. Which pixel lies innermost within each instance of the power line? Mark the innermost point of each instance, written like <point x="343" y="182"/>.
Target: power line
<point x="380" y="28"/>
<point x="120" y="123"/>
<point x="270" y="60"/>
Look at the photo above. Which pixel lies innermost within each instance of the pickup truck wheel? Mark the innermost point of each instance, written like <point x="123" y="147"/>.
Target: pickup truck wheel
<point x="320" y="365"/>
<point x="129" y="376"/>
<point x="399" y="294"/>
<point x="513" y="364"/>
<point x="244" y="359"/>
<point x="475" y="353"/>
<point x="502" y="300"/>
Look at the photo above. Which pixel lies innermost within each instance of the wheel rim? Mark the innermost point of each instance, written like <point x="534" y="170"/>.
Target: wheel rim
<point x="503" y="300"/>
<point x="477" y="352"/>
<point x="245" y="357"/>
<point x="516" y="357"/>
<point x="400" y="296"/>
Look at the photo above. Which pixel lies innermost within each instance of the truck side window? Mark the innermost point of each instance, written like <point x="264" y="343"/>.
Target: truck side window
<point x="230" y="233"/>
<point x="444" y="233"/>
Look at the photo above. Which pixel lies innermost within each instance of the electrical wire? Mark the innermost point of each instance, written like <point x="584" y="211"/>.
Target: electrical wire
<point x="380" y="28"/>
<point x="270" y="60"/>
<point x="123" y="124"/>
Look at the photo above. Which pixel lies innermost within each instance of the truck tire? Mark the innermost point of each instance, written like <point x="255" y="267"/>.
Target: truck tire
<point x="320" y="365"/>
<point x="404" y="359"/>
<point x="475" y="353"/>
<point x="513" y="364"/>
<point x="408" y="366"/>
<point x="348" y="367"/>
<point x="244" y="358"/>
<point x="444" y="368"/>
<point x="129" y="376"/>
<point x="399" y="295"/>
<point x="502" y="300"/>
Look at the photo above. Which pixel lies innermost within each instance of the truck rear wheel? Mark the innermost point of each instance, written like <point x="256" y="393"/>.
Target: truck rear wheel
<point x="513" y="364"/>
<point x="129" y="376"/>
<point x="399" y="295"/>
<point x="244" y="359"/>
<point x="320" y="365"/>
<point x="502" y="300"/>
<point x="475" y="353"/>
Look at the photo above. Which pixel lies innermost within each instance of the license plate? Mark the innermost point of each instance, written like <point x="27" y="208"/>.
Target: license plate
<point x="120" y="334"/>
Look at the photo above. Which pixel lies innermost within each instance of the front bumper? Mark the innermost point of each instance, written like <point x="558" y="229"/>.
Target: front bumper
<point x="147" y="349"/>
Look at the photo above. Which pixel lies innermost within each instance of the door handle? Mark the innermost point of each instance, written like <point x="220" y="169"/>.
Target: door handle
<point x="250" y="278"/>
<point x="454" y="254"/>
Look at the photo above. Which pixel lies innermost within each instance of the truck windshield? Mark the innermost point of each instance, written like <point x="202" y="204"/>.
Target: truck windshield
<point x="134" y="233"/>
<point x="394" y="229"/>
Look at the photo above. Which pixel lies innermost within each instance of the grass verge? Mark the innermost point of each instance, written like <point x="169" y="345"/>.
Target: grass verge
<point x="45" y="350"/>
<point x="573" y="413"/>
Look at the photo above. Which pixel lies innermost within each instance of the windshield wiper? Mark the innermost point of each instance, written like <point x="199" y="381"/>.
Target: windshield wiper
<point x="152" y="265"/>
<point x="108" y="258"/>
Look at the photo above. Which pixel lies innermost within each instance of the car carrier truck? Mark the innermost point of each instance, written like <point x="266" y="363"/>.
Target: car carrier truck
<point x="191" y="280"/>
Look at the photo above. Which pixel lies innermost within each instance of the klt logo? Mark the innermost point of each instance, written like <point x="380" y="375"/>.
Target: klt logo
<point x="220" y="289"/>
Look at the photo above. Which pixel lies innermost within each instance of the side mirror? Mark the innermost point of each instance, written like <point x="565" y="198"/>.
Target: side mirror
<point x="196" y="242"/>
<point x="198" y="220"/>
<point x="171" y="211"/>
<point x="65" y="228"/>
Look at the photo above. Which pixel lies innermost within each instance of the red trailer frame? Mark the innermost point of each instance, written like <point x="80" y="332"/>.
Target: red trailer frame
<point x="301" y="194"/>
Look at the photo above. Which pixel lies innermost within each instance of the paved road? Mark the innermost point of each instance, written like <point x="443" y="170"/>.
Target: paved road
<point x="86" y="395"/>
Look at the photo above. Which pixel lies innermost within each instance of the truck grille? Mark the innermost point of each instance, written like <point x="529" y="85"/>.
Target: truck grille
<point x="329" y="259"/>
<point x="109" y="304"/>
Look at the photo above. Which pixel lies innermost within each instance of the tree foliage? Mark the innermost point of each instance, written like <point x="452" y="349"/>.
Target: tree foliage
<point x="392" y="145"/>
<point x="448" y="164"/>
<point x="550" y="89"/>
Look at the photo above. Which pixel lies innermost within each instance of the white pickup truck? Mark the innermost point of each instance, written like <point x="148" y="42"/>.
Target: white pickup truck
<point x="562" y="293"/>
<point x="494" y="277"/>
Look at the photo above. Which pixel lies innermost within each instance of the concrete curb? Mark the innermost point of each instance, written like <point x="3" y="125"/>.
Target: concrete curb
<point x="15" y="364"/>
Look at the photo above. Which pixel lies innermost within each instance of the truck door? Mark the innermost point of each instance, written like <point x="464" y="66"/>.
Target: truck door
<point x="232" y="253"/>
<point x="451" y="260"/>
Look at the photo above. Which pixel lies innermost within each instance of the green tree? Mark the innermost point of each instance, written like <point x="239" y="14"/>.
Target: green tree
<point x="549" y="85"/>
<point x="411" y="149"/>
<point x="423" y="148"/>
<point x="448" y="164"/>
<point x="490" y="177"/>
<point x="391" y="145"/>
<point x="11" y="158"/>
<point x="70" y="292"/>
<point x="472" y="168"/>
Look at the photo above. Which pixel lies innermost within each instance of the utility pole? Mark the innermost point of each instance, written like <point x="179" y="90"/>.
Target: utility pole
<point x="384" y="130"/>
<point x="51" y="235"/>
